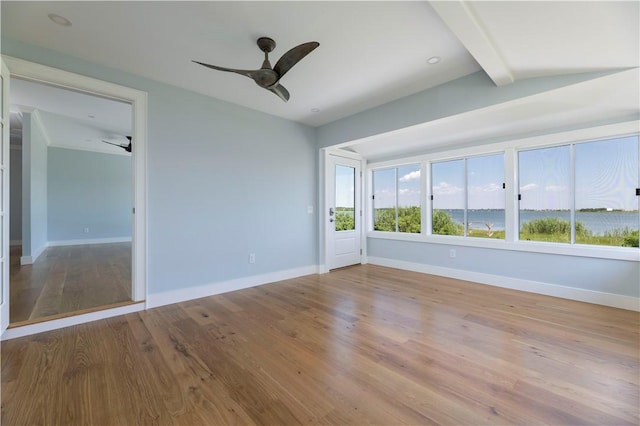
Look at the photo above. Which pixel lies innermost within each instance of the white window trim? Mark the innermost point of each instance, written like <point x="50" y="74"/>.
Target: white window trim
<point x="510" y="150"/>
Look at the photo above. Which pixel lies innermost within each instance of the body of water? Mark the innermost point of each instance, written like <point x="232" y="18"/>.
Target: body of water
<point x="597" y="222"/>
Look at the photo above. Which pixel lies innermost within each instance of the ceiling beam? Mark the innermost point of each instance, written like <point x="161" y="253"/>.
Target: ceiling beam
<point x="467" y="27"/>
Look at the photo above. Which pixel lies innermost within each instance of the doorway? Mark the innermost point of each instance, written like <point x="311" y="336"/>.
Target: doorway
<point x="343" y="216"/>
<point x="70" y="202"/>
<point x="113" y="247"/>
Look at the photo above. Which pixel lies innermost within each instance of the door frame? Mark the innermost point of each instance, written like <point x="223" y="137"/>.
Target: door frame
<point x="325" y="200"/>
<point x="19" y="68"/>
<point x="4" y="198"/>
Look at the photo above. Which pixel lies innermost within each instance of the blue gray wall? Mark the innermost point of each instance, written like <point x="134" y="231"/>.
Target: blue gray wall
<point x="15" y="195"/>
<point x="88" y="190"/>
<point x="34" y="188"/>
<point x="465" y="94"/>
<point x="602" y="275"/>
<point x="223" y="181"/>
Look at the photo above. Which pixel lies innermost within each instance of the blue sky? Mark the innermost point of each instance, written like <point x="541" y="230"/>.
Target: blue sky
<point x="606" y="177"/>
<point x="345" y="186"/>
<point x="408" y="187"/>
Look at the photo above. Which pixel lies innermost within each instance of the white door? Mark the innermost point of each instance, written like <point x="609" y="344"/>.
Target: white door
<point x="4" y="197"/>
<point x="344" y="214"/>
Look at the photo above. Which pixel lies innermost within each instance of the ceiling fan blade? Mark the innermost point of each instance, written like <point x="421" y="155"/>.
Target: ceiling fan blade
<point x="248" y="73"/>
<point x="126" y="148"/>
<point x="293" y="56"/>
<point x="279" y="90"/>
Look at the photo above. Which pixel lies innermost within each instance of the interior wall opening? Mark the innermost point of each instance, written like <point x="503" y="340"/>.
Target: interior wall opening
<point x="71" y="200"/>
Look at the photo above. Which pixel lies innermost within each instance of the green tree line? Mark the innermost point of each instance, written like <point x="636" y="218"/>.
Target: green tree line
<point x="551" y="229"/>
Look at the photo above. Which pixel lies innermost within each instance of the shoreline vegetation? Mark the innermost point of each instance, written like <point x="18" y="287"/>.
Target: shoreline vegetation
<point x="547" y="229"/>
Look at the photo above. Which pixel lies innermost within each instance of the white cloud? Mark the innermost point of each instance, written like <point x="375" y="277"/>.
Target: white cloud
<point x="490" y="187"/>
<point x="410" y="176"/>
<point x="528" y="187"/>
<point x="444" y="188"/>
<point x="555" y="188"/>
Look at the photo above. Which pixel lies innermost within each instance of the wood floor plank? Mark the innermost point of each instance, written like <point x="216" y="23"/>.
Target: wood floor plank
<point x="69" y="279"/>
<point x="361" y="345"/>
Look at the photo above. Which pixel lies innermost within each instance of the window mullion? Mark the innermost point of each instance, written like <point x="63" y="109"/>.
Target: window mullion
<point x="572" y="194"/>
<point x="396" y="180"/>
<point x="466" y="200"/>
<point x="511" y="195"/>
<point x="426" y="215"/>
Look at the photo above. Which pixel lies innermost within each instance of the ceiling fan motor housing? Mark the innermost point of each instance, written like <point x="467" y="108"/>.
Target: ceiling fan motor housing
<point x="266" y="44"/>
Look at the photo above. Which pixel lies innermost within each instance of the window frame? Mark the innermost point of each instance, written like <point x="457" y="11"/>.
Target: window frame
<point x="371" y="202"/>
<point x="465" y="163"/>
<point x="510" y="149"/>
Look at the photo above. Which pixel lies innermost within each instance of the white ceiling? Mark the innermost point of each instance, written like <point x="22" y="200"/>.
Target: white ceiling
<point x="616" y="95"/>
<point x="370" y="52"/>
<point x="71" y="119"/>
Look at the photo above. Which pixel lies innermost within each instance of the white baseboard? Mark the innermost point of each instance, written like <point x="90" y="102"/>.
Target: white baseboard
<point x="88" y="241"/>
<point x="27" y="330"/>
<point x="190" y="293"/>
<point x="582" y="295"/>
<point x="28" y="260"/>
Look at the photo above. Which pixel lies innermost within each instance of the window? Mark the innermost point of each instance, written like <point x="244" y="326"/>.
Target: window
<point x="345" y="198"/>
<point x="581" y="193"/>
<point x="545" y="198"/>
<point x="468" y="197"/>
<point x="485" y="195"/>
<point x="448" y="191"/>
<point x="397" y="199"/>
<point x="571" y="193"/>
<point x="606" y="176"/>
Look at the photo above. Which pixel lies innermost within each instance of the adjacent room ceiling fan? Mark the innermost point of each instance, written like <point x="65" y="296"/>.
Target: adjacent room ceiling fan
<point x="125" y="147"/>
<point x="267" y="77"/>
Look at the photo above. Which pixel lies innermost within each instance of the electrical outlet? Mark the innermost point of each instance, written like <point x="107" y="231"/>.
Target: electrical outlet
<point x="452" y="253"/>
<point x="252" y="258"/>
<point x="86" y="230"/>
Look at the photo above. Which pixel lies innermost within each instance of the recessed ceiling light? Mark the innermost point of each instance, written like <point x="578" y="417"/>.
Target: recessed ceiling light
<point x="315" y="110"/>
<point x="60" y="20"/>
<point x="433" y="60"/>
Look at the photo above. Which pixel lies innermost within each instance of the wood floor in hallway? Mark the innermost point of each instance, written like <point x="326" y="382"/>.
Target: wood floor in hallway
<point x="360" y="345"/>
<point x="69" y="279"/>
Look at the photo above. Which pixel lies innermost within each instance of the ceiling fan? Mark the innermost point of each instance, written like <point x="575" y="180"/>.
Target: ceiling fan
<point x="125" y="147"/>
<point x="268" y="77"/>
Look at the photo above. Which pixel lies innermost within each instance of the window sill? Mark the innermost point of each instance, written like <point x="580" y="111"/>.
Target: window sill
<point x="580" y="250"/>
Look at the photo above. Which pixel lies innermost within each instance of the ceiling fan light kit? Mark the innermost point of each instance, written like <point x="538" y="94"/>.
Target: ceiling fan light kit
<point x="269" y="77"/>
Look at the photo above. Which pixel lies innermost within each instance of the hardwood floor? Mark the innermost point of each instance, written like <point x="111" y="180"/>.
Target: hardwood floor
<point x="68" y="279"/>
<point x="360" y="345"/>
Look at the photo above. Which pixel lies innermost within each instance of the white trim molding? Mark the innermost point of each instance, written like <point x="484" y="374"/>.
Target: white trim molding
<point x="41" y="327"/>
<point x="181" y="295"/>
<point x="88" y="241"/>
<point x="139" y="104"/>
<point x="547" y="289"/>
<point x="28" y="260"/>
